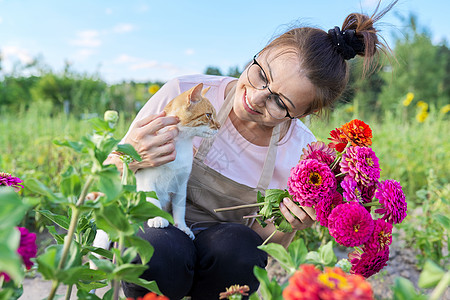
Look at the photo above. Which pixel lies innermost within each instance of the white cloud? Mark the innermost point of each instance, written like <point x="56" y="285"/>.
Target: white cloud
<point x="189" y="51"/>
<point x="10" y="53"/>
<point x="144" y="65"/>
<point x="125" y="58"/>
<point x="123" y="28"/>
<point x="108" y="11"/>
<point x="87" y="38"/>
<point x="83" y="54"/>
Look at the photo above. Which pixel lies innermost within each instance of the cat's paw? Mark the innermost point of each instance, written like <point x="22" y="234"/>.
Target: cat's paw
<point x="186" y="230"/>
<point x="157" y="222"/>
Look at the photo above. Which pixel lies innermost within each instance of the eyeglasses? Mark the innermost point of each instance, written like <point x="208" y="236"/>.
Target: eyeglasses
<point x="258" y="79"/>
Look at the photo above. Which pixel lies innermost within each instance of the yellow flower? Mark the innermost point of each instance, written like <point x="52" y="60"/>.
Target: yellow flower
<point x="422" y="116"/>
<point x="423" y="105"/>
<point x="350" y="109"/>
<point x="445" y="109"/>
<point x="408" y="99"/>
<point x="153" y="89"/>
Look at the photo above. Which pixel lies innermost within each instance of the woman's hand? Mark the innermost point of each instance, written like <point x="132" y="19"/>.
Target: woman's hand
<point x="155" y="148"/>
<point x="300" y="217"/>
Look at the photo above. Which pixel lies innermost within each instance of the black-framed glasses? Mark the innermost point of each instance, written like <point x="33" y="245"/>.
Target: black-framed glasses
<point x="258" y="79"/>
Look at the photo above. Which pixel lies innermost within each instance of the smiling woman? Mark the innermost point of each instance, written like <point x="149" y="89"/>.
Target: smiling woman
<point x="301" y="72"/>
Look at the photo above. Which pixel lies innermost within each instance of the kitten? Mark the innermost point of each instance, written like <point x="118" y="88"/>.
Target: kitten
<point x="197" y="118"/>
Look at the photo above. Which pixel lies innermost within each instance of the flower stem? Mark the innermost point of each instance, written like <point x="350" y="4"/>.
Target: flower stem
<point x="252" y="216"/>
<point x="238" y="207"/>
<point x="270" y="236"/>
<point x="70" y="232"/>
<point x="441" y="287"/>
<point x="116" y="282"/>
<point x="373" y="203"/>
<point x="69" y="292"/>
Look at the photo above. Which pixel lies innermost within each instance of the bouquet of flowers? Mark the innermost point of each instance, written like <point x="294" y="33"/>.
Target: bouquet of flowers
<point x="341" y="182"/>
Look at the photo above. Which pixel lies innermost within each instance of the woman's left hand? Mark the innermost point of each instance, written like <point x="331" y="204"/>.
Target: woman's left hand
<point x="300" y="217"/>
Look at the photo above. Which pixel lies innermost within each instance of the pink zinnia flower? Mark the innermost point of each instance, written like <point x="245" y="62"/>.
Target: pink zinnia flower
<point x="392" y="200"/>
<point x="310" y="182"/>
<point x="324" y="208"/>
<point x="319" y="151"/>
<point x="9" y="180"/>
<point x="367" y="192"/>
<point x="368" y="263"/>
<point x="361" y="164"/>
<point x="381" y="237"/>
<point x="350" y="224"/>
<point x="27" y="249"/>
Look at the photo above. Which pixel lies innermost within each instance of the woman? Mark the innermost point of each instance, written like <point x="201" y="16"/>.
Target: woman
<point x="299" y="73"/>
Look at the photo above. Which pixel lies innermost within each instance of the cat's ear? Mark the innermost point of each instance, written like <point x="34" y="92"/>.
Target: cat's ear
<point x="205" y="91"/>
<point x="195" y="93"/>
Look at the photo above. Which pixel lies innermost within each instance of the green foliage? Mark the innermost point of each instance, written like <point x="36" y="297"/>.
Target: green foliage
<point x="270" y="208"/>
<point x="427" y="228"/>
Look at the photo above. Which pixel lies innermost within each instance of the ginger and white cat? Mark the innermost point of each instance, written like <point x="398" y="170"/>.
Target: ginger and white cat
<point x="197" y="118"/>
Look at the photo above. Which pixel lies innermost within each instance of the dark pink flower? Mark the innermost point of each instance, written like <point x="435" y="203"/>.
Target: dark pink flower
<point x="368" y="262"/>
<point x="392" y="199"/>
<point x="350" y="224"/>
<point x="367" y="192"/>
<point x="361" y="164"/>
<point x="310" y="182"/>
<point x="324" y="208"/>
<point x="9" y="180"/>
<point x="27" y="248"/>
<point x="352" y="192"/>
<point x="381" y="237"/>
<point x="319" y="151"/>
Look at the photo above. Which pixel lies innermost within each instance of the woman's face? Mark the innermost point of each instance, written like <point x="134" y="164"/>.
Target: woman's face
<point x="284" y="77"/>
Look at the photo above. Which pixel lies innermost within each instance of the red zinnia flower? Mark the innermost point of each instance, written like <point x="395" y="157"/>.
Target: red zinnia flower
<point x="358" y="133"/>
<point x="150" y="296"/>
<point x="339" y="140"/>
<point x="350" y="224"/>
<point x="368" y="262"/>
<point x="310" y="182"/>
<point x="309" y="283"/>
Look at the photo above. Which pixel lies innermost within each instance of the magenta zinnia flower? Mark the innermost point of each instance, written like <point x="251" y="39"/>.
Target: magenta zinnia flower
<point x="352" y="192"/>
<point x="381" y="237"/>
<point x="361" y="164"/>
<point x="324" y="208"/>
<point x="392" y="200"/>
<point x="368" y="263"/>
<point x="350" y="224"/>
<point x="9" y="180"/>
<point x="319" y="151"/>
<point x="310" y="182"/>
<point x="27" y="248"/>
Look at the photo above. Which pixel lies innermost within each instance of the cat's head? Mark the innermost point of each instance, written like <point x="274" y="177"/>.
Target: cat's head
<point x="197" y="115"/>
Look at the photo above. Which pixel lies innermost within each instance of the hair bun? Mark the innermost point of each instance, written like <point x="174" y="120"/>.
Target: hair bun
<point x="346" y="42"/>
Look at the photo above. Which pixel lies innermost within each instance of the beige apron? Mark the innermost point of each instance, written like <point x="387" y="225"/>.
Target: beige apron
<point x="208" y="189"/>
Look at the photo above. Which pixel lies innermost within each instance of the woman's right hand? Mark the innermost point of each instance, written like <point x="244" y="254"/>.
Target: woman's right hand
<point x="155" y="148"/>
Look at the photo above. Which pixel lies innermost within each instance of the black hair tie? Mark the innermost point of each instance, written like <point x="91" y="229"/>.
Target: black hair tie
<point x="345" y="42"/>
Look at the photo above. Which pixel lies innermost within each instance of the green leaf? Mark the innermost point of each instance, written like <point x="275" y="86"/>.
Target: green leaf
<point x="143" y="247"/>
<point x="12" y="210"/>
<point x="112" y="220"/>
<point x="83" y="292"/>
<point x="269" y="289"/>
<point x="70" y="185"/>
<point x="82" y="273"/>
<point x="146" y="210"/>
<point x="48" y="261"/>
<point x="77" y="146"/>
<point x="281" y="255"/>
<point x="313" y="257"/>
<point x="404" y="290"/>
<point x="149" y="285"/>
<point x="59" y="238"/>
<point x="103" y="264"/>
<point x="327" y="256"/>
<point x="59" y="220"/>
<point x="129" y="150"/>
<point x="297" y="250"/>
<point x="430" y="275"/>
<point x="444" y="220"/>
<point x="10" y="262"/>
<point x="100" y="251"/>
<point x="38" y="187"/>
<point x="282" y="224"/>
<point x="109" y="183"/>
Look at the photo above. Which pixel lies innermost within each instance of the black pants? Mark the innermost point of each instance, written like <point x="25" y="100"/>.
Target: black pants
<point x="220" y="256"/>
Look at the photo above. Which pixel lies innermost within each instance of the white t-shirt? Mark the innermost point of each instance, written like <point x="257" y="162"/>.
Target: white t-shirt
<point x="231" y="154"/>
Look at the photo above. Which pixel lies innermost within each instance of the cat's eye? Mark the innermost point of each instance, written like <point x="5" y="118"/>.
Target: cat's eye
<point x="208" y="115"/>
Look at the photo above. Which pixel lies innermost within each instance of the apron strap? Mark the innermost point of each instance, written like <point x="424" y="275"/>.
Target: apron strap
<point x="269" y="162"/>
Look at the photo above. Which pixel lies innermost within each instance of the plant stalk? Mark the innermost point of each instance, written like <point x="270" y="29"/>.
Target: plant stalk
<point x="373" y="203"/>
<point x="69" y="292"/>
<point x="441" y="287"/>
<point x="70" y="232"/>
<point x="238" y="207"/>
<point x="116" y="282"/>
<point x="270" y="236"/>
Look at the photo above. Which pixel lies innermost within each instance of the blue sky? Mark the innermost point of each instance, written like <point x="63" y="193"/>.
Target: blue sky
<point x="158" y="40"/>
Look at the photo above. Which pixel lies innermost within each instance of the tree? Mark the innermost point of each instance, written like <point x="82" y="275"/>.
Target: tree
<point x="213" y="71"/>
